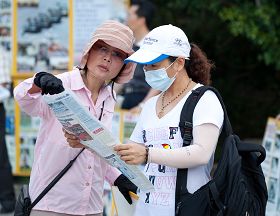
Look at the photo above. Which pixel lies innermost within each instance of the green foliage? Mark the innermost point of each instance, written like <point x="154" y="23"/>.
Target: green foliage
<point x="260" y="24"/>
<point x="242" y="38"/>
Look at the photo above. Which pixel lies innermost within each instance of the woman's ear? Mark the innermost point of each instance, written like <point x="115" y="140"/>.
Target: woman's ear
<point x="179" y="64"/>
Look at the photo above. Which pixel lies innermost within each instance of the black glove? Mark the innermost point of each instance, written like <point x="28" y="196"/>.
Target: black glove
<point x="48" y="83"/>
<point x="125" y="185"/>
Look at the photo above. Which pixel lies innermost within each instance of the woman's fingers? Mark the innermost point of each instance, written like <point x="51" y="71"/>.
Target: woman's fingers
<point x="133" y="160"/>
<point x="121" y="147"/>
<point x="124" y="152"/>
<point x="75" y="144"/>
<point x="131" y="153"/>
<point x="72" y="140"/>
<point x="127" y="158"/>
<point x="69" y="136"/>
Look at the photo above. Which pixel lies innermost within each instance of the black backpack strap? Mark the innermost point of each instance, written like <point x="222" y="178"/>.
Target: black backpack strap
<point x="250" y="147"/>
<point x="186" y="126"/>
<point x="186" y="117"/>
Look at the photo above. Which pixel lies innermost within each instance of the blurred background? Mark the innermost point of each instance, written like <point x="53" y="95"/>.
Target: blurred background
<point x="242" y="38"/>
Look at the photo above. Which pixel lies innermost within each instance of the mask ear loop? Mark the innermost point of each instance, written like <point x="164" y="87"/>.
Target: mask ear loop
<point x="186" y="60"/>
<point x="170" y="66"/>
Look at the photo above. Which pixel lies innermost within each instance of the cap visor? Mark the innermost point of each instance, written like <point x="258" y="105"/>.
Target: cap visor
<point x="142" y="56"/>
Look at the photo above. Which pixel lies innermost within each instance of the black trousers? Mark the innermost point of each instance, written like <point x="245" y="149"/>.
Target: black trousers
<point x="7" y="195"/>
<point x="133" y="99"/>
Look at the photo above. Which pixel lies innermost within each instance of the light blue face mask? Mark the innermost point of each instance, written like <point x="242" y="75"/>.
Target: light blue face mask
<point x="158" y="79"/>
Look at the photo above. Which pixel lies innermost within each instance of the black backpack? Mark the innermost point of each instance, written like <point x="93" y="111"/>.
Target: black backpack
<point x="238" y="185"/>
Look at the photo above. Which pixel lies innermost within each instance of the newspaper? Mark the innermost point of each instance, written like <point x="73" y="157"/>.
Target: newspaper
<point x="77" y="120"/>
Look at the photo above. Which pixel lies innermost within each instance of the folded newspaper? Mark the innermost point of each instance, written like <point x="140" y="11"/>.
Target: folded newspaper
<point x="77" y="120"/>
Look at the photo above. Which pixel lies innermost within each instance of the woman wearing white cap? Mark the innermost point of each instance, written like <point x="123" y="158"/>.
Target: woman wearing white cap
<point x="175" y="67"/>
<point x="80" y="190"/>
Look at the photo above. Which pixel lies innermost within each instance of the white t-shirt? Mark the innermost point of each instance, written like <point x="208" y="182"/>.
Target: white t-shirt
<point x="165" y="133"/>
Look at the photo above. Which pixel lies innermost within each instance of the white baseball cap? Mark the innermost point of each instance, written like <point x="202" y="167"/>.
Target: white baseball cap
<point x="160" y="43"/>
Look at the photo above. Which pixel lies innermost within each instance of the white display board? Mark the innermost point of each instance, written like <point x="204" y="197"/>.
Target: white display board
<point x="42" y="35"/>
<point x="271" y="166"/>
<point x="87" y="15"/>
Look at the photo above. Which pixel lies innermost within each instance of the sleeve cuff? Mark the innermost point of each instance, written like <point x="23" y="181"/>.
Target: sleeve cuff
<point x="112" y="174"/>
<point x="23" y="92"/>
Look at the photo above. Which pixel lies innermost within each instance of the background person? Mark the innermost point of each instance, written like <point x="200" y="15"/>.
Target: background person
<point x="80" y="190"/>
<point x="137" y="91"/>
<point x="7" y="195"/>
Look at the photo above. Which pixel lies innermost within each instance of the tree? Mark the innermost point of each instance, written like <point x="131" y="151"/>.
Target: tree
<point x="259" y="22"/>
<point x="247" y="70"/>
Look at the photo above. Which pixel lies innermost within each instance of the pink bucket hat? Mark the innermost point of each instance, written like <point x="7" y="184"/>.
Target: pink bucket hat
<point x="116" y="35"/>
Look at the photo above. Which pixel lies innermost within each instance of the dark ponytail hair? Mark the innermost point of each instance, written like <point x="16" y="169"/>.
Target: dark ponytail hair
<point x="198" y="66"/>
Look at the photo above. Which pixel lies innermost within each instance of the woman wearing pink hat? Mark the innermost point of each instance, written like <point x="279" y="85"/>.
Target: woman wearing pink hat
<point x="80" y="190"/>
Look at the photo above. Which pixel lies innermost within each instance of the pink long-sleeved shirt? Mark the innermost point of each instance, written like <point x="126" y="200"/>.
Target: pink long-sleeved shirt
<point x="80" y="190"/>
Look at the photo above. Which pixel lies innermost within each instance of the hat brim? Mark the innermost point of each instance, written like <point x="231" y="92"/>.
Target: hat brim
<point x="143" y="56"/>
<point x="108" y="41"/>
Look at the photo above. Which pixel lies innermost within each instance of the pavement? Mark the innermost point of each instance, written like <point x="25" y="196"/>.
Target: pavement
<point x="7" y="214"/>
<point x="18" y="182"/>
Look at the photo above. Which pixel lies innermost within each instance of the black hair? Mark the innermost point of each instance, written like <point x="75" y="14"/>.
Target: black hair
<point x="112" y="82"/>
<point x="145" y="9"/>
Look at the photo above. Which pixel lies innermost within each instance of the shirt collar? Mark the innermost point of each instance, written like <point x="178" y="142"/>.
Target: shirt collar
<point x="77" y="83"/>
<point x="76" y="80"/>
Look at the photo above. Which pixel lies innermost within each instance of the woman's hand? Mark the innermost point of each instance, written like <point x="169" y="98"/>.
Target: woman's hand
<point x="72" y="140"/>
<point x="136" y="109"/>
<point x="48" y="83"/>
<point x="133" y="153"/>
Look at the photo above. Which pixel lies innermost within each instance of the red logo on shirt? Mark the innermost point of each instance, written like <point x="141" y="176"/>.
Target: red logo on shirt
<point x="166" y="146"/>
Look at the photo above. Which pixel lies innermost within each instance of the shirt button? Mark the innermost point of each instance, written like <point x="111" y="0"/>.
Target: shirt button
<point x="87" y="184"/>
<point x="89" y="167"/>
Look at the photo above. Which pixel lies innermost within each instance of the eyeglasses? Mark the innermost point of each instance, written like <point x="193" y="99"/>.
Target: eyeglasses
<point x="104" y="50"/>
